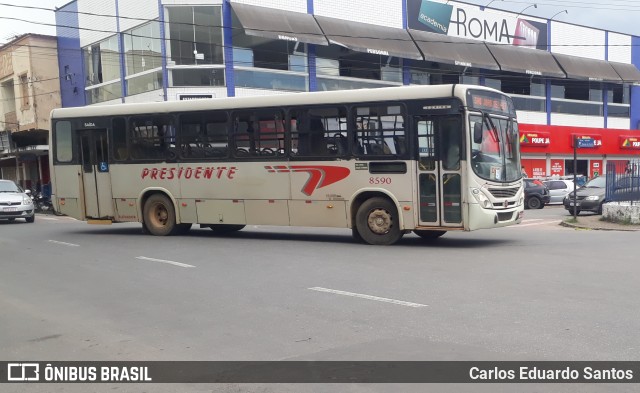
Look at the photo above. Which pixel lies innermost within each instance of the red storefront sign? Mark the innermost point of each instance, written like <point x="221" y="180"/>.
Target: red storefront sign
<point x="595" y="168"/>
<point x="557" y="167"/>
<point x="535" y="139"/>
<point x="535" y="167"/>
<point x="630" y="142"/>
<point x="586" y="141"/>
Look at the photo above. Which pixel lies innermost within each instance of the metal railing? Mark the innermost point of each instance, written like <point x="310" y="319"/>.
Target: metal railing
<point x="623" y="181"/>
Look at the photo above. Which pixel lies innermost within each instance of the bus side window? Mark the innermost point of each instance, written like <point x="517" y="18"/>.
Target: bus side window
<point x="380" y="131"/>
<point x="119" y="139"/>
<point x="152" y="137"/>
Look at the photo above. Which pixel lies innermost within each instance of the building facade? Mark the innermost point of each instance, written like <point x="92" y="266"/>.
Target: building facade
<point x="568" y="82"/>
<point x="29" y="91"/>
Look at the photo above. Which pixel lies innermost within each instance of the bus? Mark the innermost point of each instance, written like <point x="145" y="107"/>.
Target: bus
<point x="381" y="162"/>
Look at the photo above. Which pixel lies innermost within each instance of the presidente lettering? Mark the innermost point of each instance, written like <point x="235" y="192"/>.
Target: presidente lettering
<point x="200" y="172"/>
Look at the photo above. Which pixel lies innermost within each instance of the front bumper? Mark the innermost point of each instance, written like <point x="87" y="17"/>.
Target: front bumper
<point x="20" y="211"/>
<point x="582" y="204"/>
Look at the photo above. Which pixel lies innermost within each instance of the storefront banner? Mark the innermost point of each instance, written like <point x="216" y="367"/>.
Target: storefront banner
<point x="630" y="142"/>
<point x="473" y="22"/>
<point x="595" y="168"/>
<point x="586" y="141"/>
<point x="557" y="167"/>
<point x="535" y="139"/>
<point x="536" y="168"/>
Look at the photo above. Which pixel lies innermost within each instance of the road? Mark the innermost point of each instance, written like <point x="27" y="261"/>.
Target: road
<point x="537" y="291"/>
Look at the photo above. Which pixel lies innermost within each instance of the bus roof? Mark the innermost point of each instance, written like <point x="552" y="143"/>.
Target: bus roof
<point x="307" y="98"/>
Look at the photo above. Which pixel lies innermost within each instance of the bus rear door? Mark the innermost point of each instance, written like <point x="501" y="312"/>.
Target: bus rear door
<point x="93" y="148"/>
<point x="439" y="170"/>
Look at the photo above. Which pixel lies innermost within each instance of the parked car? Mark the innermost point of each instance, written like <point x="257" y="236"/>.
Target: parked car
<point x="536" y="194"/>
<point x="558" y="189"/>
<point x="15" y="202"/>
<point x="591" y="197"/>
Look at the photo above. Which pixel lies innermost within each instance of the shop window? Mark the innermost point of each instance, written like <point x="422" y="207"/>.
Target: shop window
<point x="144" y="83"/>
<point x="195" y="35"/>
<point x="619" y="94"/>
<point x="102" y="61"/>
<point x="198" y="77"/>
<point x="142" y="48"/>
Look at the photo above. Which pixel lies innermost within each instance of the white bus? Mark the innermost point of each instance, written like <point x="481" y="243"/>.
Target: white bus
<point x="383" y="162"/>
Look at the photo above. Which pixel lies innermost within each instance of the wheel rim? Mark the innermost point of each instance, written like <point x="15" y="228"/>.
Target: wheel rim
<point x="379" y="221"/>
<point x="159" y="215"/>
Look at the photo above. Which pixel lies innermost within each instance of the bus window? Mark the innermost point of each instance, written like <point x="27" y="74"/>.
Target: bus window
<point x="152" y="137"/>
<point x="380" y="131"/>
<point x="204" y="135"/>
<point x="119" y="139"/>
<point x="259" y="133"/>
<point x="319" y="132"/>
<point x="64" y="150"/>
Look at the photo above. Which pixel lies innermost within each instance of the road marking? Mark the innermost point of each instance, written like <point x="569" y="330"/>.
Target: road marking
<point x="538" y="223"/>
<point x="369" y="297"/>
<point x="47" y="218"/>
<point x="532" y="219"/>
<point x="64" y="244"/>
<point x="165" y="261"/>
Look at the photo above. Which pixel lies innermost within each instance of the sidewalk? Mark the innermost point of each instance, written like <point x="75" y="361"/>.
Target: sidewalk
<point x="592" y="221"/>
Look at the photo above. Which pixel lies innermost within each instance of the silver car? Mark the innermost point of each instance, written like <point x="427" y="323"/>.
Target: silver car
<point x="15" y="203"/>
<point x="558" y="189"/>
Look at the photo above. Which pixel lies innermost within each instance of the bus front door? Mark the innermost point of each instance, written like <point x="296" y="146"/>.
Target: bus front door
<point x="93" y="148"/>
<point x="439" y="170"/>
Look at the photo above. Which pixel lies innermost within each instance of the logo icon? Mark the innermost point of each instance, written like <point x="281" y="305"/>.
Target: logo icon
<point x="319" y="175"/>
<point x="435" y="17"/>
<point x="23" y="372"/>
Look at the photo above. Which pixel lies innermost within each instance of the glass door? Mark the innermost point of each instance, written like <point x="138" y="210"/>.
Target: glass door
<point x="440" y="151"/>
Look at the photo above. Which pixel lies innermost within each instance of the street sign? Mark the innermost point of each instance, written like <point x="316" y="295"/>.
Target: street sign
<point x="586" y="142"/>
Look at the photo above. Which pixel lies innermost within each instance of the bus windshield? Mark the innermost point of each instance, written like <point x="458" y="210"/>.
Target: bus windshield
<point x="494" y="147"/>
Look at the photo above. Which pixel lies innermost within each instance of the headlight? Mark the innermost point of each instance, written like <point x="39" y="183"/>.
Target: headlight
<point x="26" y="201"/>
<point x="480" y="196"/>
<point x="592" y="198"/>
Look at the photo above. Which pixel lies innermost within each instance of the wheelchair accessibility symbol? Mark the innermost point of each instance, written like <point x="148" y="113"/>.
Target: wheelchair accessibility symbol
<point x="103" y="167"/>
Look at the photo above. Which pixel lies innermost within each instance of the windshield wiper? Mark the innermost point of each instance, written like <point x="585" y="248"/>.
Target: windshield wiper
<point x="492" y="127"/>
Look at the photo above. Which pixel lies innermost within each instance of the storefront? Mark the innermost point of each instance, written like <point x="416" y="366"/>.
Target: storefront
<point x="548" y="151"/>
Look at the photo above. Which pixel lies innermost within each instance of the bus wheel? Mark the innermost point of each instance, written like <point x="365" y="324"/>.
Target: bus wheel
<point x="356" y="235"/>
<point x="377" y="222"/>
<point x="221" y="229"/>
<point x="159" y="215"/>
<point x="429" y="235"/>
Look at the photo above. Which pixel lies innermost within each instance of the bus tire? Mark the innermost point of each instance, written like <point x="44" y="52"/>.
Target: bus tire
<point x="429" y="235"/>
<point x="159" y="215"/>
<point x="223" y="229"/>
<point x="377" y="222"/>
<point x="356" y="235"/>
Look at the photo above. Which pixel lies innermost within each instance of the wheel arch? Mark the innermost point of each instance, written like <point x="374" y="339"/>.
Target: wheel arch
<point x="147" y="192"/>
<point x="362" y="195"/>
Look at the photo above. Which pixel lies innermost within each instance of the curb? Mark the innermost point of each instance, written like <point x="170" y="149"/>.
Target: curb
<point x="579" y="226"/>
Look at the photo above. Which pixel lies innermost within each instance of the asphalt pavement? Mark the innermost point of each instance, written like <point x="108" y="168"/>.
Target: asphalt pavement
<point x="536" y="291"/>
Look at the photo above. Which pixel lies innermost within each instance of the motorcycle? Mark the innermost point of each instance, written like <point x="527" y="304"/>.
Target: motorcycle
<point x="41" y="203"/>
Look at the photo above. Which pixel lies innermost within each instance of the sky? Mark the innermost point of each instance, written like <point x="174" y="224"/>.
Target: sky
<point x="616" y="15"/>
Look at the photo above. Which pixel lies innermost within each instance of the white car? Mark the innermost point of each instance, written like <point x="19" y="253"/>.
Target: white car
<point x="15" y="203"/>
<point x="558" y="189"/>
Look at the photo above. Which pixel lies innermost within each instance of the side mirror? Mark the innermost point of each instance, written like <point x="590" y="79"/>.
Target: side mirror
<point x="28" y="192"/>
<point x="477" y="133"/>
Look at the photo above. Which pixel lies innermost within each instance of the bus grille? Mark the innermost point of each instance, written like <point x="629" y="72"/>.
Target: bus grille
<point x="505" y="216"/>
<point x="504" y="192"/>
